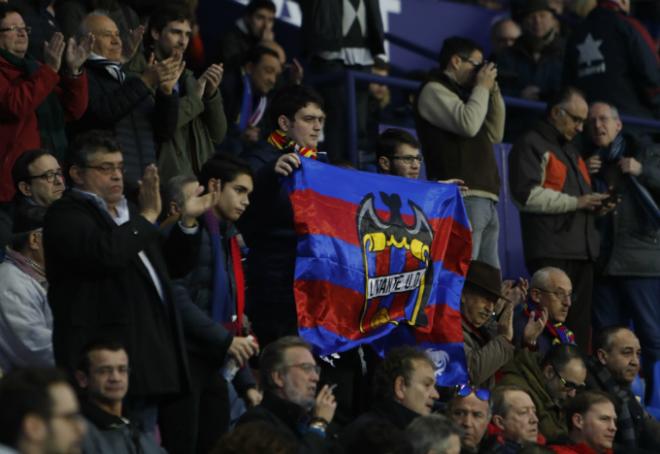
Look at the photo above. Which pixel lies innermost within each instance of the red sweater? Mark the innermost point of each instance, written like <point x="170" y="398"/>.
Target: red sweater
<point x="580" y="448"/>
<point x="20" y="95"/>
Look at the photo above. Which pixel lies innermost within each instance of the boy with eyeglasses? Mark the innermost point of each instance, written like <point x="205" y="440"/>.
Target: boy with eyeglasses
<point x="397" y="153"/>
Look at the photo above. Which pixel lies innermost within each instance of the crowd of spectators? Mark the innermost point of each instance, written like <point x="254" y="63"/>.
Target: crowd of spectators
<point x="148" y="248"/>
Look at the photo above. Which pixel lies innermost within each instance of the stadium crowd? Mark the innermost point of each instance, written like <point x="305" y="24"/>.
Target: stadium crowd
<point x="148" y="245"/>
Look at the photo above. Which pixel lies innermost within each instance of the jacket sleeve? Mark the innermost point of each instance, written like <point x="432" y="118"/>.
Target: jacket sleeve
<point x="73" y="93"/>
<point x="484" y="362"/>
<point x="650" y="176"/>
<point x="21" y="97"/>
<point x="527" y="167"/>
<point x="444" y="109"/>
<point x="644" y="60"/>
<point x="180" y="250"/>
<point x="495" y="118"/>
<point x="107" y="108"/>
<point x="214" y="117"/>
<point x="165" y="116"/>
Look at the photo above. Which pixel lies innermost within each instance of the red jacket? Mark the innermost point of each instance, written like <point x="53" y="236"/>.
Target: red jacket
<point x="580" y="448"/>
<point x="20" y="95"/>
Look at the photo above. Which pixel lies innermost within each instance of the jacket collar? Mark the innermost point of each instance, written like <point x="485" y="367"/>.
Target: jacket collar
<point x="396" y="413"/>
<point x="290" y="413"/>
<point x="550" y="133"/>
<point x="100" y="418"/>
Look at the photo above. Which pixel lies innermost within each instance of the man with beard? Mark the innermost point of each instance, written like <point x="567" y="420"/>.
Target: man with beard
<point x="612" y="369"/>
<point x="201" y="119"/>
<point x="459" y="115"/>
<point x="291" y="405"/>
<point x="549" y="381"/>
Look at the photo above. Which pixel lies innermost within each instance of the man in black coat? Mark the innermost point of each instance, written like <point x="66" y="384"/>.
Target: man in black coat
<point x="107" y="273"/>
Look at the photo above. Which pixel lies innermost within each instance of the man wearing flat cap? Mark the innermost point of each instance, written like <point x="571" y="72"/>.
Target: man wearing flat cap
<point x="488" y="335"/>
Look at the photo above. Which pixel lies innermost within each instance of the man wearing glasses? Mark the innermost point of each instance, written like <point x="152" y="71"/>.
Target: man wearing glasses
<point x="291" y="404"/>
<point x="35" y="99"/>
<point x="551" y="186"/>
<point x="470" y="408"/>
<point x="550" y="296"/>
<point x="397" y="153"/>
<point x="38" y="178"/>
<point x="103" y="376"/>
<point x="550" y="381"/>
<point x="459" y="116"/>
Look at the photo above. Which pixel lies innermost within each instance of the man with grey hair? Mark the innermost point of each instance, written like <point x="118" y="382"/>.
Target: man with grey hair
<point x="551" y="186"/>
<point x="627" y="284"/>
<point x="514" y="419"/>
<point x="550" y="297"/>
<point x="470" y="408"/>
<point x="434" y="434"/>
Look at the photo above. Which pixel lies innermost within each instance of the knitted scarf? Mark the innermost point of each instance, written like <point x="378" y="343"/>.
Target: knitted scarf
<point x="279" y="140"/>
<point x="626" y="433"/>
<point x="250" y="116"/>
<point x="50" y="116"/>
<point x="559" y="332"/>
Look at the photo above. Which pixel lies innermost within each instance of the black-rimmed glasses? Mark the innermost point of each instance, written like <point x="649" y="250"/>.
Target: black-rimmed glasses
<point x="49" y="176"/>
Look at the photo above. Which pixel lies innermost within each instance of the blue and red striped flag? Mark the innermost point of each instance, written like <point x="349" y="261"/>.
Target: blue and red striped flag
<point x="380" y="260"/>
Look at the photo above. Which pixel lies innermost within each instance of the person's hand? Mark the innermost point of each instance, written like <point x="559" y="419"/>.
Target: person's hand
<point x="251" y="134"/>
<point x="594" y="163"/>
<point x="487" y="75"/>
<point x="132" y="45"/>
<point x="535" y="326"/>
<point x="213" y="77"/>
<point x="505" y="322"/>
<point x="242" y="349"/>
<point x="296" y="72"/>
<point x="253" y="397"/>
<point x="169" y="72"/>
<point x="531" y="92"/>
<point x="517" y="294"/>
<point x="53" y="51"/>
<point x="78" y="52"/>
<point x="196" y="205"/>
<point x="592" y="201"/>
<point x="630" y="166"/>
<point x="149" y="195"/>
<point x="287" y="163"/>
<point x="325" y="405"/>
<point x="150" y="75"/>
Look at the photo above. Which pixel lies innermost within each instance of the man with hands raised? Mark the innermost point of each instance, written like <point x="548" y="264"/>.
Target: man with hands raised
<point x="35" y="100"/>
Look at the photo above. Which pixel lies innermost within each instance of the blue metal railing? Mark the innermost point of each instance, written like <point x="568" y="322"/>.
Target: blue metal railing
<point x="352" y="78"/>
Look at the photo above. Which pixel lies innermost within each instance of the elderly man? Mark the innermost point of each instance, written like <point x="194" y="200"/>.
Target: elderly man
<point x="38" y="179"/>
<point x="459" y="116"/>
<point x="35" y="100"/>
<point x="404" y="388"/>
<point x="107" y="274"/>
<point x="141" y="111"/>
<point x="290" y="377"/>
<point x="39" y="413"/>
<point x="551" y="186"/>
<point x="487" y="353"/>
<point x="26" y="320"/>
<point x="514" y="420"/>
<point x="549" y="380"/>
<point x="470" y="409"/>
<point x="549" y="298"/>
<point x="592" y="423"/>
<point x="628" y="272"/>
<point x="612" y="369"/>
<point x="103" y="376"/>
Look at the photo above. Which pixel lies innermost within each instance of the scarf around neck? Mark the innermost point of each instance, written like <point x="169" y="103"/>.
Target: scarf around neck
<point x="559" y="332"/>
<point x="279" y="140"/>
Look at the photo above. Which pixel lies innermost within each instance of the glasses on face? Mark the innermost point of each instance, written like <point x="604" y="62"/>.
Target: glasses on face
<point x="108" y="370"/>
<point x="475" y="64"/>
<point x="563" y="296"/>
<point x="308" y="368"/>
<point x="17" y="28"/>
<point x="49" y="176"/>
<point x="577" y="120"/>
<point x="408" y="159"/>
<point x="567" y="383"/>
<point x="108" y="169"/>
<point x="465" y="390"/>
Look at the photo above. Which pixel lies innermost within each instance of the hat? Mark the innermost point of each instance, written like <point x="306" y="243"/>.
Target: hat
<point x="485" y="277"/>
<point x="528" y="7"/>
<point x="28" y="218"/>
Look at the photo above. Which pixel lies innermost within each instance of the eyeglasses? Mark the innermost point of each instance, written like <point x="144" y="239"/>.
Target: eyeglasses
<point x="408" y="159"/>
<point x="16" y="28"/>
<point x="476" y="64"/>
<point x="308" y="368"/>
<point x="108" y="169"/>
<point x="49" y="176"/>
<point x="567" y="384"/>
<point x="465" y="390"/>
<point x="575" y="118"/>
<point x="560" y="295"/>
<point x="108" y="370"/>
